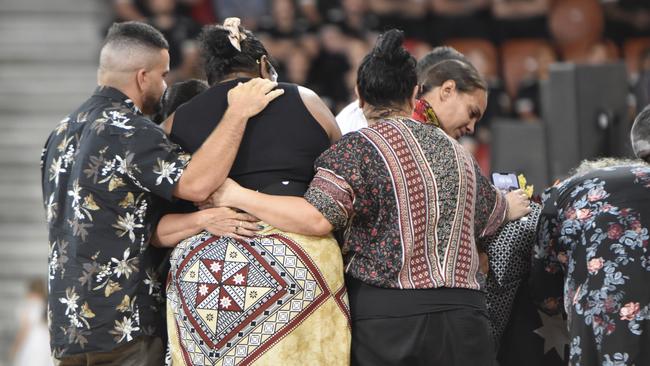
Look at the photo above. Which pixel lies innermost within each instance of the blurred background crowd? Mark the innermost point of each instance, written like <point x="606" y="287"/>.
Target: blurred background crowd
<point x="320" y="43"/>
<point x="49" y="49"/>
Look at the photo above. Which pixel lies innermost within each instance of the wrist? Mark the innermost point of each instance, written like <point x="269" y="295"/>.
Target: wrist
<point x="202" y="219"/>
<point x="236" y="115"/>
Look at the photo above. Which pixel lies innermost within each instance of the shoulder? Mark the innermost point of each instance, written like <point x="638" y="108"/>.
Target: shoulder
<point x="317" y="108"/>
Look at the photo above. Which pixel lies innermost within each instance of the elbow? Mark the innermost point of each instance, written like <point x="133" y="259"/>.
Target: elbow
<point x="195" y="191"/>
<point x="157" y="242"/>
<point x="320" y="226"/>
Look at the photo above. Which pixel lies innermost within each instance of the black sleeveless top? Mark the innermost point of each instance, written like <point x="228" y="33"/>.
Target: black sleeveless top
<point x="279" y="145"/>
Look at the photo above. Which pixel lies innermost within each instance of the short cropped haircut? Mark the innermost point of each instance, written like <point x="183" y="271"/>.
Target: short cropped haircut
<point x="136" y="33"/>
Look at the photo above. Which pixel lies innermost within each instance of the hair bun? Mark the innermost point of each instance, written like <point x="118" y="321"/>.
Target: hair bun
<point x="216" y="42"/>
<point x="389" y="47"/>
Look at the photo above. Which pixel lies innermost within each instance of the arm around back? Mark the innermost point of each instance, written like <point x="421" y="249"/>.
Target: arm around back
<point x="211" y="164"/>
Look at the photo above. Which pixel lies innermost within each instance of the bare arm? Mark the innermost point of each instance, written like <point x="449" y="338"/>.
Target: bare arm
<point x="221" y="221"/>
<point x="211" y="164"/>
<point x="321" y="113"/>
<point x="293" y="214"/>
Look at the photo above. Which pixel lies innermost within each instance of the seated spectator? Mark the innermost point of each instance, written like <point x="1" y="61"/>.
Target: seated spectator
<point x="626" y="19"/>
<point x="461" y="19"/>
<point x="499" y="103"/>
<point x="355" y="18"/>
<point x="520" y="18"/>
<point x="179" y="30"/>
<point x="283" y="22"/>
<point x="298" y="67"/>
<point x="410" y="15"/>
<point x="328" y="69"/>
<point x="126" y="10"/>
<point x="527" y="104"/>
<point x="250" y="11"/>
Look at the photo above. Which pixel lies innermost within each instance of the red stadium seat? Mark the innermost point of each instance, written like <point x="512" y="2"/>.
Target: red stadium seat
<point x="468" y="45"/>
<point x="576" y="25"/>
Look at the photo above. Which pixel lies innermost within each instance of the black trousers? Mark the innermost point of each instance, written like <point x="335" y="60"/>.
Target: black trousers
<point x="459" y="337"/>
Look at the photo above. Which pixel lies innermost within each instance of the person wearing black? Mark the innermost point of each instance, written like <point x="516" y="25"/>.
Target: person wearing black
<point x="270" y="297"/>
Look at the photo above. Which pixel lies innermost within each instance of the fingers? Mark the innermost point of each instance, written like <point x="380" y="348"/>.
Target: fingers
<point x="246" y="217"/>
<point x="274" y="94"/>
<point x="245" y="232"/>
<point x="264" y="85"/>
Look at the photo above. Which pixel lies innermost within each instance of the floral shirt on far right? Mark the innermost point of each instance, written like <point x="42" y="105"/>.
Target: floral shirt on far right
<point x="592" y="255"/>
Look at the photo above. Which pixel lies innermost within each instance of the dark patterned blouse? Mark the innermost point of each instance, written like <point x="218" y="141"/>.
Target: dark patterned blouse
<point x="411" y="201"/>
<point x="106" y="171"/>
<point x="592" y="256"/>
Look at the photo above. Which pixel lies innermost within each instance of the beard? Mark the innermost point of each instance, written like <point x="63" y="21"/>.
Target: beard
<point x="152" y="104"/>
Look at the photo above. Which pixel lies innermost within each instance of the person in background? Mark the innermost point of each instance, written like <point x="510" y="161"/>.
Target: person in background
<point x="592" y="256"/>
<point x="520" y="18"/>
<point x="527" y="104"/>
<point x="351" y="117"/>
<point x="179" y="30"/>
<point x="32" y="344"/>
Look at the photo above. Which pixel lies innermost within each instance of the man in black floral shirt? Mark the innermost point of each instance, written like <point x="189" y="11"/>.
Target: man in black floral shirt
<point x="106" y="172"/>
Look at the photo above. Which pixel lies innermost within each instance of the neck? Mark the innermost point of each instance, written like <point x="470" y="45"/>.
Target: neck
<point x="129" y="91"/>
<point x="374" y="114"/>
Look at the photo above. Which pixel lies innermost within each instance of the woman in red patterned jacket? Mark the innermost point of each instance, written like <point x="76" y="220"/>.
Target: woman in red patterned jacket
<point x="410" y="201"/>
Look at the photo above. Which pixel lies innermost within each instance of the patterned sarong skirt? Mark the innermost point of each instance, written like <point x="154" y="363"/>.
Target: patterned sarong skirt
<point x="277" y="299"/>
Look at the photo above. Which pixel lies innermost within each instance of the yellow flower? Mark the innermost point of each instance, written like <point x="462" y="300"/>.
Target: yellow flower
<point x="528" y="189"/>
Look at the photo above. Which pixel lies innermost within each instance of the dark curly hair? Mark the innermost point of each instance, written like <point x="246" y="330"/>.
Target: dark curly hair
<point x="386" y="76"/>
<point x="180" y="93"/>
<point x="220" y="58"/>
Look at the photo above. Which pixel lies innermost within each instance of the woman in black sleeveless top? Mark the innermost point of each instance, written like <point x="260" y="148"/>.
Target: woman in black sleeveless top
<point x="274" y="297"/>
<point x="279" y="145"/>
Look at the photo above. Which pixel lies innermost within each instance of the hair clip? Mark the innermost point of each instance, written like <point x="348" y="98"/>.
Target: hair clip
<point x="235" y="36"/>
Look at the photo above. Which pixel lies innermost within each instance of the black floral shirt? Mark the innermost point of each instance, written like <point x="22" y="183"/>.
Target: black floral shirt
<point x="592" y="257"/>
<point x="106" y="173"/>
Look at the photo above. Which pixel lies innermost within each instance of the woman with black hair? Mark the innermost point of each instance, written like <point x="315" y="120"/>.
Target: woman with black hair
<point x="410" y="201"/>
<point x="243" y="292"/>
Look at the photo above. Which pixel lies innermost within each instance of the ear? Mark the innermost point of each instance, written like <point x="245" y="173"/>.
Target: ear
<point x="416" y="91"/>
<point x="362" y="102"/>
<point x="447" y="89"/>
<point x="141" y="79"/>
<point x="264" y="67"/>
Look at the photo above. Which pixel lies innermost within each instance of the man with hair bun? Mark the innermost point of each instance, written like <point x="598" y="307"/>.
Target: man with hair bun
<point x="106" y="172"/>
